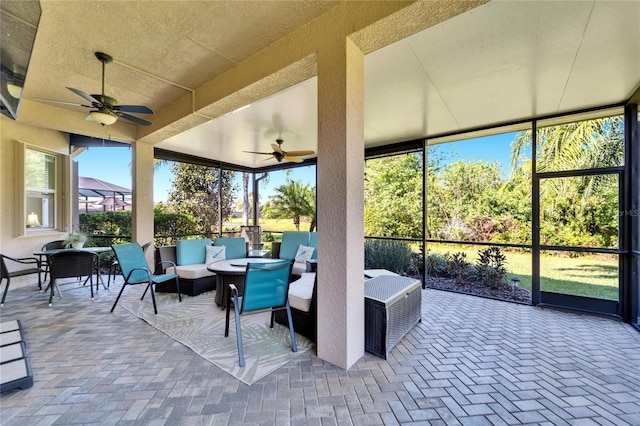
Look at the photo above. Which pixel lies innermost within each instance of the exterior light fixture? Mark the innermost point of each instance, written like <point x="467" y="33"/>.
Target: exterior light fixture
<point x="14" y="90"/>
<point x="515" y="281"/>
<point x="15" y="84"/>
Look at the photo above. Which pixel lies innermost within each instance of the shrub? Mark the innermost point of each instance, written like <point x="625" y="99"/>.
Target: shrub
<point x="436" y="265"/>
<point x="392" y="255"/>
<point x="490" y="268"/>
<point x="459" y="266"/>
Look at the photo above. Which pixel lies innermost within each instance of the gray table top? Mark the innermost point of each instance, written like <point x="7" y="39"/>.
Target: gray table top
<point x="236" y="266"/>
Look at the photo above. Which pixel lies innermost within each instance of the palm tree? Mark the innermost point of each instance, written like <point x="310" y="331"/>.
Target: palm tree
<point x="575" y="146"/>
<point x="292" y="200"/>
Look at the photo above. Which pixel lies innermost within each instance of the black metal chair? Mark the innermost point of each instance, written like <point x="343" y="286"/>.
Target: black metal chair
<point x="34" y="268"/>
<point x="115" y="266"/>
<point x="72" y="264"/>
<point x="51" y="245"/>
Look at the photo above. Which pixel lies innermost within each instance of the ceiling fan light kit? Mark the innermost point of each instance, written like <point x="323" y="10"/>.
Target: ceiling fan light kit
<point x="104" y="118"/>
<point x="107" y="111"/>
<point x="15" y="80"/>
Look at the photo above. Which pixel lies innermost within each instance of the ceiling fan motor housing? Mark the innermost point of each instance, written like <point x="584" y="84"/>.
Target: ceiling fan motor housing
<point x="106" y="100"/>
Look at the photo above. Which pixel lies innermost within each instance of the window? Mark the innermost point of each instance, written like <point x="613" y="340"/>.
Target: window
<point x="40" y="188"/>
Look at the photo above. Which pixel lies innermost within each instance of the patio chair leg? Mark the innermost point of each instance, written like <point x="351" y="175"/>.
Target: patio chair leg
<point x="153" y="298"/>
<point x="118" y="298"/>
<point x="238" y="331"/>
<point x="52" y="284"/>
<point x="91" y="284"/>
<point x="4" y="294"/>
<point x="145" y="291"/>
<point x="294" y="345"/>
<point x="178" y="289"/>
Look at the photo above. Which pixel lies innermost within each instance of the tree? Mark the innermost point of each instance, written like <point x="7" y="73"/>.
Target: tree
<point x="291" y="200"/>
<point x="579" y="145"/>
<point x="393" y="196"/>
<point x="195" y="193"/>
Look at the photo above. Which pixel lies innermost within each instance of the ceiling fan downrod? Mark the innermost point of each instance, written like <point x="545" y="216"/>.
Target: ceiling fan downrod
<point x="105" y="59"/>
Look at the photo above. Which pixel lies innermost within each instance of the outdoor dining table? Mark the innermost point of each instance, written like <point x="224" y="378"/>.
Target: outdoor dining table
<point x="232" y="271"/>
<point x="97" y="250"/>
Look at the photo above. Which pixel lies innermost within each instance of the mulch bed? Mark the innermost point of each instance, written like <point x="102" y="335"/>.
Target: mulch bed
<point x="503" y="293"/>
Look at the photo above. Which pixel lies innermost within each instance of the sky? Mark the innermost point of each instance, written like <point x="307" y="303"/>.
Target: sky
<point x="489" y="149"/>
<point x="113" y="164"/>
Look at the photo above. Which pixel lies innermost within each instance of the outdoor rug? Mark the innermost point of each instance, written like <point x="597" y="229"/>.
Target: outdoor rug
<point x="198" y="323"/>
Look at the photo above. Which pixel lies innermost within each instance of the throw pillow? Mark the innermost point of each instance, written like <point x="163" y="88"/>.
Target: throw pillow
<point x="214" y="253"/>
<point x="304" y="253"/>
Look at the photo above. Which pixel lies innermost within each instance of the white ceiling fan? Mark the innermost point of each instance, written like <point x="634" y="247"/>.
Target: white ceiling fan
<point x="279" y="154"/>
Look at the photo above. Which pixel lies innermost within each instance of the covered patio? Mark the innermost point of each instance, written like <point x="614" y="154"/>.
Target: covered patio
<point x="337" y="78"/>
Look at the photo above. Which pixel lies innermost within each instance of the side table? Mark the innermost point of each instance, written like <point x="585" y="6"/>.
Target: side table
<point x="392" y="306"/>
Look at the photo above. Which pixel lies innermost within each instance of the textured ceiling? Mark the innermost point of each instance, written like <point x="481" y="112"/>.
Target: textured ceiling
<point x="499" y="62"/>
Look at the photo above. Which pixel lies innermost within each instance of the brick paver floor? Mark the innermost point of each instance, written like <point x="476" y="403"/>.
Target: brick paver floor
<point x="471" y="361"/>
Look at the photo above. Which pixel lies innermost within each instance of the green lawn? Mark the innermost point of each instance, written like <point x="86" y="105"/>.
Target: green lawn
<point x="587" y="275"/>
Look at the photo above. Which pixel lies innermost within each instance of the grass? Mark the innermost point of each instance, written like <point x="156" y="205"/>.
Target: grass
<point x="588" y="275"/>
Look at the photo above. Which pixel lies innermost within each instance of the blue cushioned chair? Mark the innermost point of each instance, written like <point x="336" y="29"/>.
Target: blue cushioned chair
<point x="135" y="270"/>
<point x="266" y="287"/>
<point x="235" y="248"/>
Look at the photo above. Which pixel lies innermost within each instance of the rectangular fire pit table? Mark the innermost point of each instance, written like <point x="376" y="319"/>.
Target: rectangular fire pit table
<point x="392" y="307"/>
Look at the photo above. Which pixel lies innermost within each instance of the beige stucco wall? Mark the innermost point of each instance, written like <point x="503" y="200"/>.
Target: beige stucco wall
<point x="51" y="140"/>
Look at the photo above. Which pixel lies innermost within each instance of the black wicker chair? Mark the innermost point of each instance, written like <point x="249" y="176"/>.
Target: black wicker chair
<point x="33" y="268"/>
<point x="72" y="264"/>
<point x="51" y="245"/>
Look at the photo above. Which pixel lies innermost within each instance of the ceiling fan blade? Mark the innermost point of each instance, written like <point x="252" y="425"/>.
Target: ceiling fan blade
<point x="94" y="102"/>
<point x="293" y="159"/>
<point x="133" y="118"/>
<point x="256" y="152"/>
<point x="276" y="148"/>
<point x="138" y="109"/>
<point x="62" y="102"/>
<point x="300" y="153"/>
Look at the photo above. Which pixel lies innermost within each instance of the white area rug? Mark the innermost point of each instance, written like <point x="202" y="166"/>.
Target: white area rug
<point x="198" y="323"/>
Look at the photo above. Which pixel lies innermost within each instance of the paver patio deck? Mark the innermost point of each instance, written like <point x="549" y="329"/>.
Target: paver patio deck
<point x="471" y="361"/>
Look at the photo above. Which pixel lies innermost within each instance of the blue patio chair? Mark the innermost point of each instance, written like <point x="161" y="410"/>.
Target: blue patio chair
<point x="266" y="287"/>
<point x="135" y="270"/>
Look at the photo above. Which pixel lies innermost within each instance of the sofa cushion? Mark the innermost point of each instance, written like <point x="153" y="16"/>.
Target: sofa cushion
<point x="191" y="272"/>
<point x="290" y="242"/>
<point x="189" y="252"/>
<point x="235" y="248"/>
<point x="301" y="291"/>
<point x="214" y="253"/>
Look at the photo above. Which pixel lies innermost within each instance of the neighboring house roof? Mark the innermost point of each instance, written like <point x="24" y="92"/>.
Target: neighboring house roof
<point x="91" y="187"/>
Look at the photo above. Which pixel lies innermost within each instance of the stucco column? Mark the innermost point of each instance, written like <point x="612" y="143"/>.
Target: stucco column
<point x="142" y="198"/>
<point x="340" y="201"/>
